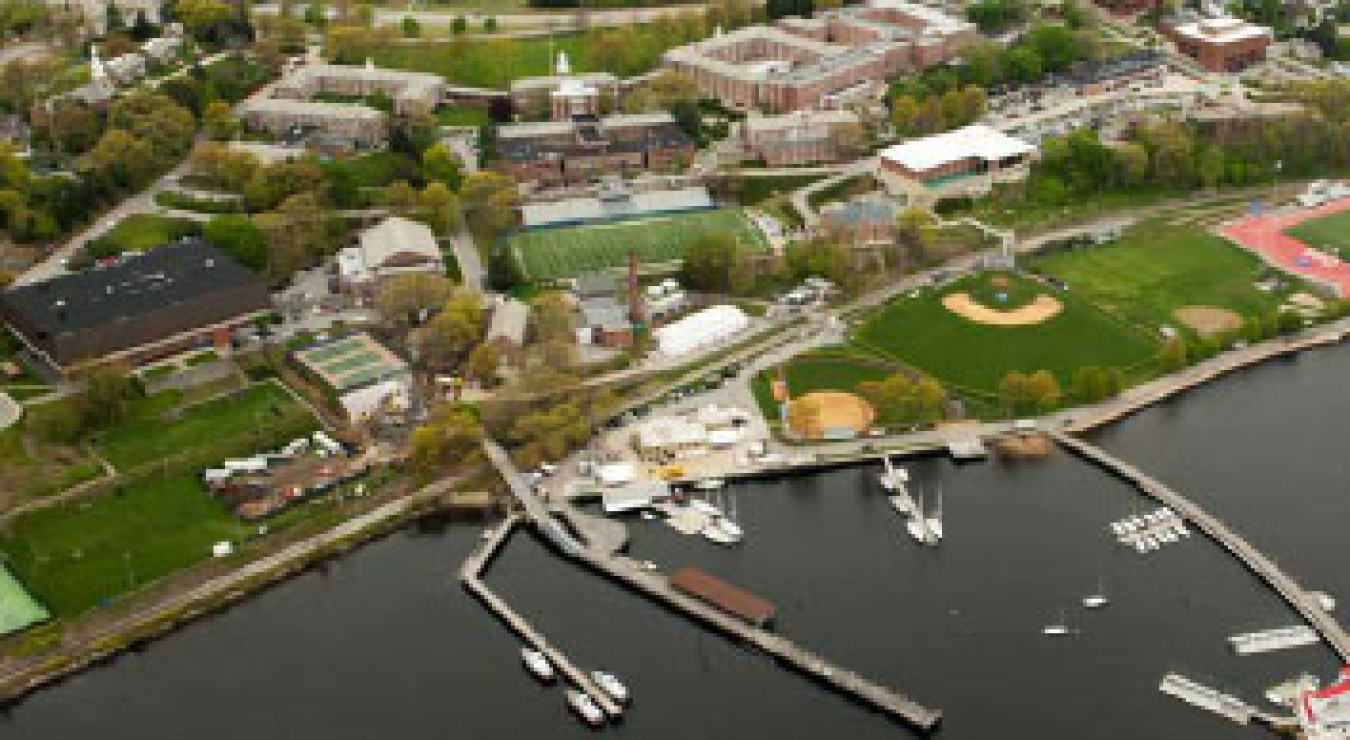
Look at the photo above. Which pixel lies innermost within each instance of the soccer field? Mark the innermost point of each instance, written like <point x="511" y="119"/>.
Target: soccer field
<point x="550" y="254"/>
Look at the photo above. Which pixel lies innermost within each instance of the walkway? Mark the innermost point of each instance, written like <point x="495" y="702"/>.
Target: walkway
<point x="1326" y="625"/>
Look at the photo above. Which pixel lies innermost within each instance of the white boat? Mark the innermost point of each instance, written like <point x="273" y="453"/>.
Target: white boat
<point x="648" y="515"/>
<point x="538" y="664"/>
<point x="611" y="685"/>
<point x="704" y="507"/>
<point x="902" y="503"/>
<point x="731" y="528"/>
<point x="917" y="526"/>
<point x="710" y="484"/>
<point x="585" y="707"/>
<point x="894" y="478"/>
<point x="1058" y="627"/>
<point x="714" y="532"/>
<point x="1097" y="599"/>
<point x="934" y="522"/>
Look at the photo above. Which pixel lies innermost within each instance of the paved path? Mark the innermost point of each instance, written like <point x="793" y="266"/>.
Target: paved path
<point x="472" y="272"/>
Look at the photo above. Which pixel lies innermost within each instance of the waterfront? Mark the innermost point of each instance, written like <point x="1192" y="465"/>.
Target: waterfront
<point x="385" y="643"/>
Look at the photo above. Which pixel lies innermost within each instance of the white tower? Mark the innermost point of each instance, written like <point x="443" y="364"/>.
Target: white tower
<point x="563" y="67"/>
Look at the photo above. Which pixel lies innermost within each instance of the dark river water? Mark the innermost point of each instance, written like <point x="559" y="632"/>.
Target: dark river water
<point x="385" y="644"/>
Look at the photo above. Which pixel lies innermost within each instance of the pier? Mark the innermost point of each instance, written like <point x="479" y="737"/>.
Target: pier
<point x="1303" y="602"/>
<point x="470" y="575"/>
<point x="596" y="544"/>
<point x="1276" y="639"/>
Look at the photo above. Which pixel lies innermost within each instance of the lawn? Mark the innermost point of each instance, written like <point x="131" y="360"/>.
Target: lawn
<point x="141" y="232"/>
<point x="1158" y="267"/>
<point x="463" y="117"/>
<point x="1330" y="234"/>
<point x="76" y="555"/>
<point x="374" y="170"/>
<point x="154" y="430"/>
<point x="549" y="254"/>
<point x="751" y="191"/>
<point x="969" y="356"/>
<point x="481" y="62"/>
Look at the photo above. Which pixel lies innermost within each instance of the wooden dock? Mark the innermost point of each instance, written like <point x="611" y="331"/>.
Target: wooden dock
<point x="596" y="549"/>
<point x="470" y="575"/>
<point x="1303" y="602"/>
<point x="657" y="586"/>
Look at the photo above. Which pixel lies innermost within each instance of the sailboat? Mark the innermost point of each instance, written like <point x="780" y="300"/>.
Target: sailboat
<point x="1097" y="599"/>
<point x="1058" y="627"/>
<point x="918" y="524"/>
<point x="935" y="521"/>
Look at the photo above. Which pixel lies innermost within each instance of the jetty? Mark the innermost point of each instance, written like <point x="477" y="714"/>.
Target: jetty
<point x="470" y="574"/>
<point x="1305" y="603"/>
<point x="594" y="542"/>
<point x="1213" y="700"/>
<point x="1276" y="639"/>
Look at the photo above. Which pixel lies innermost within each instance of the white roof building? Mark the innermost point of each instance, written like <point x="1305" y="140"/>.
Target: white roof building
<point x="1222" y="30"/>
<point x="393" y="246"/>
<point x="698" y="330"/>
<point x="976" y="141"/>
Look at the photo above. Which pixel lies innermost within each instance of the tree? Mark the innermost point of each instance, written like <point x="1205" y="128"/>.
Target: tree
<point x="483" y="364"/>
<point x="298" y="233"/>
<point x="449" y="334"/>
<point x="205" y="19"/>
<point x="708" y="263"/>
<point x="440" y="208"/>
<point x="1015" y="392"/>
<point x="441" y="164"/>
<point x="238" y="236"/>
<point x="108" y="391"/>
<point x="112" y="19"/>
<point x="142" y="29"/>
<point x="1025" y="65"/>
<point x="459" y="25"/>
<point x="411" y="28"/>
<point x="1174" y="355"/>
<point x="451" y="434"/>
<point x="218" y="121"/>
<point x="803" y="416"/>
<point x="848" y="140"/>
<point x="490" y="25"/>
<point x="554" y="319"/>
<point x="1044" y="391"/>
<point x="401" y="299"/>
<point x="489" y="202"/>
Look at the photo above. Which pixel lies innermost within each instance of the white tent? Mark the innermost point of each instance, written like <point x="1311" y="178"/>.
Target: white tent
<point x="700" y="329"/>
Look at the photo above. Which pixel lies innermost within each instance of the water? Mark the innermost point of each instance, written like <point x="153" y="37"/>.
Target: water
<point x="385" y="644"/>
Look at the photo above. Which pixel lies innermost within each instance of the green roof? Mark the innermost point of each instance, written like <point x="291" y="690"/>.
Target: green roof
<point x="18" y="609"/>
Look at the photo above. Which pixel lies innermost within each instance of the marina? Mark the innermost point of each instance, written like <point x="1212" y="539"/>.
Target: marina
<point x="1204" y="697"/>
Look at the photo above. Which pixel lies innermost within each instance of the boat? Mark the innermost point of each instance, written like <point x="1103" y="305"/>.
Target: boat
<point x="934" y="522"/>
<point x="585" y="707"/>
<point x="611" y="685"/>
<point x="538" y="664"/>
<point x="731" y="528"/>
<point x="894" y="478"/>
<point x="1058" y="627"/>
<point x="714" y="532"/>
<point x="917" y="526"/>
<point x="704" y="507"/>
<point x="648" y="515"/>
<point x="710" y="484"/>
<point x="902" y="503"/>
<point x="1097" y="599"/>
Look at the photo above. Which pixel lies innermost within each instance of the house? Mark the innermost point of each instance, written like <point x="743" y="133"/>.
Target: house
<point x="966" y="161"/>
<point x="394" y="246"/>
<point x="1220" y="44"/>
<point x="146" y="307"/>
<point x="803" y="137"/>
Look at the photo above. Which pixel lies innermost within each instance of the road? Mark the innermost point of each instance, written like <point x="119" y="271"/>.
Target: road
<point x="471" y="269"/>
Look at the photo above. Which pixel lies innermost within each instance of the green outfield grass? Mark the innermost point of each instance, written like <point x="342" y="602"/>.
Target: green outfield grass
<point x="549" y="254"/>
<point x="969" y="356"/>
<point x="1158" y="267"/>
<point x="1330" y="234"/>
<point x="482" y="62"/>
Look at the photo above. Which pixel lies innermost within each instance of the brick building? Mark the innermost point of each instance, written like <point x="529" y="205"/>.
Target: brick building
<point x="411" y="92"/>
<point x="837" y="57"/>
<point x="1220" y="44"/>
<point x="587" y="147"/>
<point x="161" y="303"/>
<point x="804" y="137"/>
<point x="966" y="161"/>
<point x="336" y="124"/>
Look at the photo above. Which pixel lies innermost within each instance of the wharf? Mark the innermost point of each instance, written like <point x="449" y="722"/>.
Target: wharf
<point x="1199" y="695"/>
<point x="470" y="575"/>
<point x="1276" y="639"/>
<point x="596" y="547"/>
<point x="1305" y="603"/>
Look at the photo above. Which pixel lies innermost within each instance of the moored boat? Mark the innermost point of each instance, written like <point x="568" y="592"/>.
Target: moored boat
<point x="538" y="664"/>
<point x="585" y="707"/>
<point x="611" y="685"/>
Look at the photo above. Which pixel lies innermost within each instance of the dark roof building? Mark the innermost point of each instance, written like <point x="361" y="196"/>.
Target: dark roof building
<point x="149" y="306"/>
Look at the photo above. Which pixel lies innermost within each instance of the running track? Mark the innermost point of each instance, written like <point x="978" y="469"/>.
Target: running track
<point x="1265" y="236"/>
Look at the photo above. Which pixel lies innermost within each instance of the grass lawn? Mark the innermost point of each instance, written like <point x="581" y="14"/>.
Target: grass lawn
<point x="463" y="117"/>
<point x="142" y="232"/>
<point x="751" y="191"/>
<point x="969" y="356"/>
<point x="1331" y="234"/>
<point x="77" y="555"/>
<point x="807" y="374"/>
<point x="151" y="431"/>
<point x="184" y="202"/>
<point x="549" y="254"/>
<point x="481" y="62"/>
<point x="1158" y="267"/>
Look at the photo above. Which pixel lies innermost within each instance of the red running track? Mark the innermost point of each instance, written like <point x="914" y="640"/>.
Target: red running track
<point x="1265" y="236"/>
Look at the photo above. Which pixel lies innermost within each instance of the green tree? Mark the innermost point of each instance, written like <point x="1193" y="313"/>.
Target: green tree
<point x="1174" y="355"/>
<point x="1044" y="391"/>
<point x="490" y="25"/>
<point x="708" y="264"/>
<point x="483" y="364"/>
<point x="459" y="25"/>
<point x="402" y="298"/>
<point x="451" y="435"/>
<point x="410" y="27"/>
<point x="441" y="164"/>
<point x="238" y="236"/>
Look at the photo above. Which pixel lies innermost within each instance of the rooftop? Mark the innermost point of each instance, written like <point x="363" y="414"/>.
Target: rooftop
<point x="977" y="141"/>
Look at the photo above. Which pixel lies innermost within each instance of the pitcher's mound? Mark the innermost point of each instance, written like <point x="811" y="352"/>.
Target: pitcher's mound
<point x="1044" y="308"/>
<point x="833" y="411"/>
<point x="1208" y="320"/>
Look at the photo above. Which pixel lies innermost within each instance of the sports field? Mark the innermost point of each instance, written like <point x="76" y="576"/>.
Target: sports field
<point x="17" y="608"/>
<point x="973" y="357"/>
<point x="549" y="254"/>
<point x="1331" y="234"/>
<point x="1156" y="268"/>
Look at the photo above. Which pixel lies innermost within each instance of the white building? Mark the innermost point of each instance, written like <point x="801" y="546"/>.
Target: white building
<point x="1324" y="714"/>
<point x="698" y="330"/>
<point x="394" y="246"/>
<point x="962" y="162"/>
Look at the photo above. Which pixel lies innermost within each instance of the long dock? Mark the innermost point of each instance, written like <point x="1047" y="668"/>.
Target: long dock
<point x="595" y="548"/>
<point x="470" y="575"/>
<point x="1303" y="602"/>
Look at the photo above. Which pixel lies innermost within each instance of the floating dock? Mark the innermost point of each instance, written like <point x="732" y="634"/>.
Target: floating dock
<point x="1276" y="639"/>
<point x="967" y="448"/>
<point x="1213" y="700"/>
